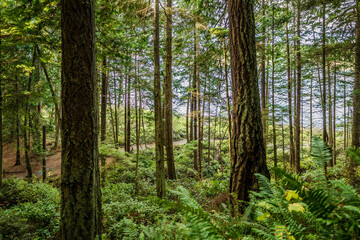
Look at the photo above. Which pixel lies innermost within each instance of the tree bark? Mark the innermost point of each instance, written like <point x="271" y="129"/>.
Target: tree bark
<point x="159" y="156"/>
<point x="227" y="98"/>
<point x="356" y="95"/>
<point x="169" y="95"/>
<point x="80" y="192"/>
<point x="298" y="93"/>
<point x="264" y="108"/>
<point x="273" y="85"/>
<point x="247" y="136"/>
<point x="104" y="87"/>
<point x="1" y="135"/>
<point x="17" y="162"/>
<point x="291" y="136"/>
<point x="325" y="136"/>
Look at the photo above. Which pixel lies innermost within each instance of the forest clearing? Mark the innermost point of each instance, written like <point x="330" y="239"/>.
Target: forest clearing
<point x="179" y="119"/>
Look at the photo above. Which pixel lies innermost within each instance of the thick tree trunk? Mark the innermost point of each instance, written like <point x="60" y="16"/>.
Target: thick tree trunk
<point x="104" y="87"/>
<point x="80" y="192"/>
<point x="247" y="136"/>
<point x="169" y="95"/>
<point x="159" y="157"/>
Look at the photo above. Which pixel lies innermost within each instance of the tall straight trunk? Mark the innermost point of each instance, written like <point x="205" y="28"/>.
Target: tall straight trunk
<point x="311" y="109"/>
<point x="283" y="140"/>
<point x="264" y="108"/>
<point x="330" y="136"/>
<point x="112" y="119"/>
<point x="227" y="99"/>
<point x="169" y="95"/>
<point x="209" y="131"/>
<point x="116" y="100"/>
<point x="298" y="93"/>
<point x="345" y="127"/>
<point x="196" y="97"/>
<point x="291" y="136"/>
<point x="104" y="87"/>
<point x="44" y="155"/>
<point x="199" y="154"/>
<point x="187" y="119"/>
<point x="125" y="114"/>
<point x="191" y="99"/>
<point x="273" y="85"/>
<point x="80" y="175"/>
<point x="137" y="125"/>
<point x="17" y="93"/>
<point x="325" y="136"/>
<point x="1" y="135"/>
<point x="334" y="122"/>
<point x="159" y="157"/>
<point x="356" y="95"/>
<point x="128" y="118"/>
<point x="141" y="110"/>
<point x="247" y="136"/>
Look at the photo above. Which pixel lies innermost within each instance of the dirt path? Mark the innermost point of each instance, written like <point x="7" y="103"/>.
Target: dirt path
<point x="53" y="162"/>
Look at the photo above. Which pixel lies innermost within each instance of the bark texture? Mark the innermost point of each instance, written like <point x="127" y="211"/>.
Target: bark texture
<point x="169" y="95"/>
<point x="247" y="136"/>
<point x="104" y="87"/>
<point x="80" y="192"/>
<point x="356" y="96"/>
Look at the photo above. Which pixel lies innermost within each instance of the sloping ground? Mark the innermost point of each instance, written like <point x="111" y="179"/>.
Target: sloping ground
<point x="53" y="160"/>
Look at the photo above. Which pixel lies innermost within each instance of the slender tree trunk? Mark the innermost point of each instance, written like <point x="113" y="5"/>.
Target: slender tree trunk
<point x="264" y="108"/>
<point x="104" y="87"/>
<point x="227" y="99"/>
<point x="137" y="127"/>
<point x="1" y="135"/>
<point x="311" y="110"/>
<point x="80" y="175"/>
<point x="291" y="136"/>
<point x="125" y="115"/>
<point x="112" y="119"/>
<point x="273" y="85"/>
<point x="345" y="127"/>
<point x="209" y="131"/>
<point x="169" y="95"/>
<point x="160" y="171"/>
<point x="330" y="137"/>
<point x="298" y="94"/>
<point x="44" y="154"/>
<point x="17" y="93"/>
<point x="128" y="118"/>
<point x="334" y="122"/>
<point x="325" y="136"/>
<point x="247" y="136"/>
<point x="187" y="119"/>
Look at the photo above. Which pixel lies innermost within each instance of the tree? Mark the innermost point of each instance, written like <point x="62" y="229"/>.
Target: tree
<point x="104" y="87"/>
<point x="247" y="136"/>
<point x="356" y="96"/>
<point x="80" y="192"/>
<point x="159" y="156"/>
<point x="168" y="95"/>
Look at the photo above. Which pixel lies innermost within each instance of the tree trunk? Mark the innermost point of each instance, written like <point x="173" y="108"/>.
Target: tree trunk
<point x="128" y="118"/>
<point x="247" y="136"/>
<point x="330" y="137"/>
<point x="264" y="108"/>
<point x="227" y="99"/>
<point x="334" y="122"/>
<point x="44" y="155"/>
<point x="273" y="86"/>
<point x="298" y="94"/>
<point x="80" y="192"/>
<point x="356" y="95"/>
<point x="1" y="135"/>
<point x="17" y="162"/>
<point x="325" y="136"/>
<point x="291" y="136"/>
<point x="169" y="95"/>
<point x="104" y="87"/>
<point x="159" y="157"/>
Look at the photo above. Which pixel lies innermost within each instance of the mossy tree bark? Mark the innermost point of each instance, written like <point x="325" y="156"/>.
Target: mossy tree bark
<point x="169" y="95"/>
<point x="356" y="96"/>
<point x="80" y="192"/>
<point x="247" y="136"/>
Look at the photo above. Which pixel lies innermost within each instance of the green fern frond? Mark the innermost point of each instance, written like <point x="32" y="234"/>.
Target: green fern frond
<point x="320" y="151"/>
<point x="354" y="153"/>
<point x="204" y="226"/>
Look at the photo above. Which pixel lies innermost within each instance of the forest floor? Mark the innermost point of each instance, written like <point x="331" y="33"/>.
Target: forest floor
<point x="53" y="160"/>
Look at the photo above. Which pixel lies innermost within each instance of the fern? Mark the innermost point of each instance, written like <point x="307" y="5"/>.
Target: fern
<point x="205" y="227"/>
<point x="354" y="153"/>
<point x="320" y="152"/>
